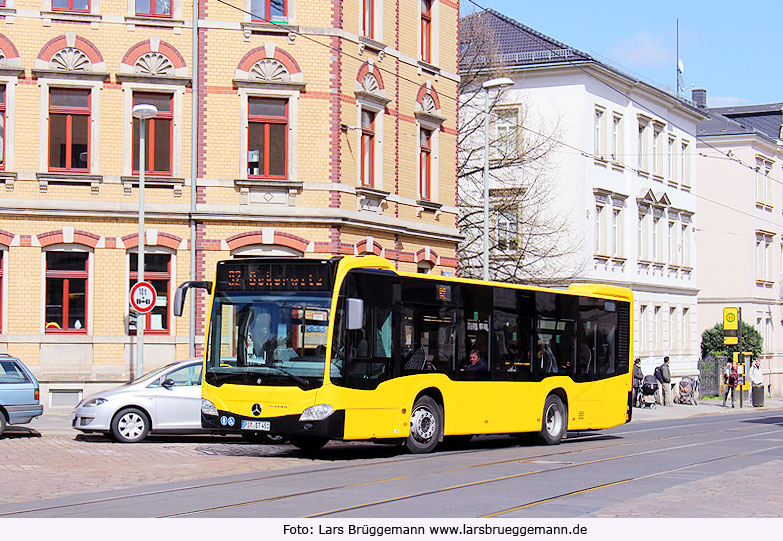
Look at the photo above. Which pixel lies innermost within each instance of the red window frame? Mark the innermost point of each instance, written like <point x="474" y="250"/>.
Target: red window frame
<point x="2" y="116"/>
<point x="71" y="8"/>
<point x="426" y="30"/>
<point x="149" y="154"/>
<point x="368" y="17"/>
<point x="70" y="112"/>
<point x="266" y="16"/>
<point x="152" y="277"/>
<point x="425" y="164"/>
<point x="66" y="276"/>
<point x="267" y="121"/>
<point x="368" y="148"/>
<point x="153" y="10"/>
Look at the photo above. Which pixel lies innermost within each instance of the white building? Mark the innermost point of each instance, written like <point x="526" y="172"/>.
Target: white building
<point x="740" y="161"/>
<point x="624" y="169"/>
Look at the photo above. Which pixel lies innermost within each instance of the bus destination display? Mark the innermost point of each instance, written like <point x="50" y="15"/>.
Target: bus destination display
<point x="274" y="277"/>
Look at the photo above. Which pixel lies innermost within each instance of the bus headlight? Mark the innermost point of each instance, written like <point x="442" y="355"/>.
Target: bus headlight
<point x="208" y="408"/>
<point x="317" y="413"/>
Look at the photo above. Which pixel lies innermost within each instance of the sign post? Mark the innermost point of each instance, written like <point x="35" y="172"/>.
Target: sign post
<point x="143" y="298"/>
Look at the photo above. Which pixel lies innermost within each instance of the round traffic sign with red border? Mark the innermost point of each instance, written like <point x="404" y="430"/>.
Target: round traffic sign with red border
<point x="143" y="297"/>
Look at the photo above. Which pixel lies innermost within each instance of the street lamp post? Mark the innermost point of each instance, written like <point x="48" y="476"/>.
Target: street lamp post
<point x="493" y="83"/>
<point x="142" y="111"/>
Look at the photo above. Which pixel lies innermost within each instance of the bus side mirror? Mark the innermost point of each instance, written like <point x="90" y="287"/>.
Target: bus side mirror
<point x="179" y="295"/>
<point x="354" y="309"/>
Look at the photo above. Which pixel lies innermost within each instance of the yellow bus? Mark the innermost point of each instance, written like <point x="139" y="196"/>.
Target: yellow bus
<point x="351" y="349"/>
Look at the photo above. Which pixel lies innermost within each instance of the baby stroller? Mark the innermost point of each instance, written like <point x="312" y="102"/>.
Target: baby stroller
<point x="688" y="387"/>
<point x="648" y="392"/>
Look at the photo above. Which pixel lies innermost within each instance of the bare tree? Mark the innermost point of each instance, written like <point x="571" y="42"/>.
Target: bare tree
<point x="531" y="239"/>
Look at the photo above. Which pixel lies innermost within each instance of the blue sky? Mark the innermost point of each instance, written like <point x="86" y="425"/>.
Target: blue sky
<point x="729" y="52"/>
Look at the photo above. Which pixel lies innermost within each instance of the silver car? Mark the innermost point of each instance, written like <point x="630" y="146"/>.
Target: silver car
<point x="165" y="400"/>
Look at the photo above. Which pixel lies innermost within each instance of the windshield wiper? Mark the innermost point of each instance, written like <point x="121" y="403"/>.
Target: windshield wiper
<point x="299" y="380"/>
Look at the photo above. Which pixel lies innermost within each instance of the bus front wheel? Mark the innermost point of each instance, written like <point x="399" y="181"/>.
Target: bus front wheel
<point x="554" y="421"/>
<point x="309" y="444"/>
<point x="426" y="426"/>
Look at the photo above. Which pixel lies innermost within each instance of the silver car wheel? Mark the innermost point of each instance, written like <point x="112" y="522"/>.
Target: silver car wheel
<point x="131" y="425"/>
<point x="554" y="420"/>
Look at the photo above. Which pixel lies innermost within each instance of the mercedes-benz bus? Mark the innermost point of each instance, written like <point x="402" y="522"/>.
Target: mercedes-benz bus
<point x="351" y="349"/>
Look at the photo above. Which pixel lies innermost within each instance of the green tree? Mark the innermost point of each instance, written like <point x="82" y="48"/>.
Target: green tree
<point x="712" y="342"/>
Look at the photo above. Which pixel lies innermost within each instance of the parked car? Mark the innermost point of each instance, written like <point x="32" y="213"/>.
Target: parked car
<point x="166" y="400"/>
<point x="19" y="393"/>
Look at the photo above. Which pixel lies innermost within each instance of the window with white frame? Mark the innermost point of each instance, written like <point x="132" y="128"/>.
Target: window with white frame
<point x="644" y="332"/>
<point x="425" y="164"/>
<point x="159" y="134"/>
<point x="673" y="244"/>
<point x="617" y="137"/>
<point x="267" y="137"/>
<point x="764" y="189"/>
<point x="686" y="331"/>
<point x="426" y="30"/>
<point x="617" y="231"/>
<point x="685" y="241"/>
<point x="658" y="159"/>
<point x="157" y="271"/>
<point x="657" y="328"/>
<point x="642" y="144"/>
<point x="600" y="242"/>
<point x="671" y="160"/>
<point x="507" y="133"/>
<point x="69" y="129"/>
<point x="67" y="274"/>
<point x="763" y="257"/>
<point x="674" y="340"/>
<point x="685" y="166"/>
<point x="644" y="234"/>
<point x="367" y="175"/>
<point x="507" y="230"/>
<point x="656" y="239"/>
<point x="598" y="133"/>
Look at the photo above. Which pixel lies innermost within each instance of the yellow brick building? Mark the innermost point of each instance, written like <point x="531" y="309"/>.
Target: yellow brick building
<point x="329" y="130"/>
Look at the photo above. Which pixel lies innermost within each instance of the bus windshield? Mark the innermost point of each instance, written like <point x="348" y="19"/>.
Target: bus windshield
<point x="275" y="338"/>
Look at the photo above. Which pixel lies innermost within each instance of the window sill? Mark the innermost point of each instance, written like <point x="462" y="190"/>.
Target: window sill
<point x="429" y="68"/>
<point x="129" y="182"/>
<point x="425" y="205"/>
<point x="764" y="283"/>
<point x="600" y="160"/>
<point x="658" y="178"/>
<point x="9" y="178"/>
<point x="279" y="27"/>
<point x="673" y="183"/>
<point x="7" y="12"/>
<point x="371" y="199"/>
<point x="83" y="179"/>
<point x="269" y="183"/>
<point x="618" y="166"/>
<point x="148" y="20"/>
<point x="154" y="79"/>
<point x="371" y="44"/>
<point x="71" y="16"/>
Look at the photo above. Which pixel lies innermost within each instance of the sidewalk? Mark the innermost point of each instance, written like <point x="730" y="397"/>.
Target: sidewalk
<point x="706" y="406"/>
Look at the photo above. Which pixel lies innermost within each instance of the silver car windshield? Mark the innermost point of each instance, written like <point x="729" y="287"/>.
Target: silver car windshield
<point x="274" y="339"/>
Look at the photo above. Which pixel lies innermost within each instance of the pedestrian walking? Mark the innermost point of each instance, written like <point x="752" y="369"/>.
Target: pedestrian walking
<point x="638" y="376"/>
<point x="730" y="378"/>
<point x="666" y="382"/>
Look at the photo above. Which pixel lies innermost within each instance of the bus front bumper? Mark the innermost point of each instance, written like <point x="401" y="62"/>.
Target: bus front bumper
<point x="333" y="427"/>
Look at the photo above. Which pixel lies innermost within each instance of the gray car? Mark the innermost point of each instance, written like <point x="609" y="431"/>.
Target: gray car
<point x="19" y="393"/>
<point x="166" y="400"/>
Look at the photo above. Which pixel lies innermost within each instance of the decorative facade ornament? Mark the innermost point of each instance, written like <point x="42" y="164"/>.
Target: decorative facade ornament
<point x="269" y="69"/>
<point x="70" y="59"/>
<point x="428" y="104"/>
<point x="370" y="83"/>
<point x="3" y="60"/>
<point x="154" y="63"/>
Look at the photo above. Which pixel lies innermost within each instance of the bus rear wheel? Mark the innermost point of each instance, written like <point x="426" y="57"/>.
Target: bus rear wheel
<point x="426" y="426"/>
<point x="553" y="422"/>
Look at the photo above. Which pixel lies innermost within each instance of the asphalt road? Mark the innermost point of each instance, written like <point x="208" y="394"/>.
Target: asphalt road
<point x="633" y="470"/>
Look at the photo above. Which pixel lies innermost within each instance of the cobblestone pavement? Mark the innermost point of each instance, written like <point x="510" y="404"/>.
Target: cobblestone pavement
<point x="33" y="467"/>
<point x="752" y="492"/>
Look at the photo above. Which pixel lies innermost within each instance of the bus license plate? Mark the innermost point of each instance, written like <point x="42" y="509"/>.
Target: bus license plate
<point x="255" y="425"/>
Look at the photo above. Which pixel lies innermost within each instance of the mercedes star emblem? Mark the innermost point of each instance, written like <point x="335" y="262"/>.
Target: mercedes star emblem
<point x="256" y="410"/>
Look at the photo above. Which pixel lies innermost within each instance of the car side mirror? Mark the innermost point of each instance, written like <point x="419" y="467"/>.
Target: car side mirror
<point x="168" y="383"/>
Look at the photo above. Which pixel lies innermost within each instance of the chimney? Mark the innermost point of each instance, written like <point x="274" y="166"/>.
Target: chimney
<point x="699" y="97"/>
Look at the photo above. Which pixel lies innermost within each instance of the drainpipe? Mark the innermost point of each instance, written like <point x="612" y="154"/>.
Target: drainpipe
<point x="193" y="175"/>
